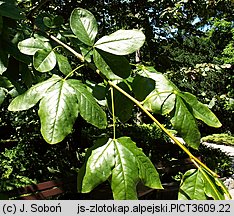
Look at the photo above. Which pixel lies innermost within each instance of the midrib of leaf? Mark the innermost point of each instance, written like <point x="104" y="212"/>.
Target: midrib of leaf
<point x="122" y="167"/>
<point x="57" y="108"/>
<point x="46" y="57"/>
<point x="195" y="188"/>
<point x="111" y="41"/>
<point x="107" y="146"/>
<point x="209" y="181"/>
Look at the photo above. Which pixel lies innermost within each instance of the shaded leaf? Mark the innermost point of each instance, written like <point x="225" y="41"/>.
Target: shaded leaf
<point x="30" y="46"/>
<point x="63" y="63"/>
<point x="192" y="187"/>
<point x="184" y="122"/>
<point x="121" y="42"/>
<point x="5" y="83"/>
<point x="200" y="111"/>
<point x="26" y="74"/>
<point x="125" y="173"/>
<point x="44" y="60"/>
<point x="120" y="162"/>
<point x="2" y="95"/>
<point x="13" y="50"/>
<point x="88" y="107"/>
<point x="147" y="171"/>
<point x="112" y="66"/>
<point x="33" y="95"/>
<point x="84" y="25"/>
<point x="99" y="165"/>
<point x="142" y="86"/>
<point x="161" y="99"/>
<point x="123" y="106"/>
<point x="3" y="60"/>
<point x="58" y="111"/>
<point x="212" y="189"/>
<point x="8" y="9"/>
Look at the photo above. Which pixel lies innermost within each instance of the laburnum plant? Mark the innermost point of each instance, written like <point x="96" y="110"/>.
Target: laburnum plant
<point x="67" y="94"/>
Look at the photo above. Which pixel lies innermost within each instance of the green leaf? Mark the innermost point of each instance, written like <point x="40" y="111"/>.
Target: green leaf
<point x="200" y="111"/>
<point x="58" y="111"/>
<point x="125" y="173"/>
<point x="123" y="106"/>
<point x="84" y="25"/>
<point x="161" y="99"/>
<point x="48" y="22"/>
<point x="44" y="60"/>
<point x="5" y="82"/>
<point x="63" y="63"/>
<point x="192" y="187"/>
<point x="13" y="50"/>
<point x="99" y="165"/>
<point x="121" y="42"/>
<point x="27" y="75"/>
<point x="30" y="46"/>
<point x="120" y="162"/>
<point x="3" y="60"/>
<point x="212" y="189"/>
<point x="142" y="86"/>
<point x="2" y="95"/>
<point x="112" y="66"/>
<point x="88" y="107"/>
<point x="8" y="9"/>
<point x="147" y="172"/>
<point x="33" y="95"/>
<point x="184" y="122"/>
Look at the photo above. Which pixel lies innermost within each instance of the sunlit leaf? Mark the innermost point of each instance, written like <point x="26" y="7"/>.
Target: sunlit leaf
<point x="44" y="60"/>
<point x="63" y="63"/>
<point x="200" y="111"/>
<point x="161" y="99"/>
<point x="99" y="165"/>
<point x="84" y="25"/>
<point x="33" y="95"/>
<point x="185" y="123"/>
<point x="120" y="162"/>
<point x="88" y="107"/>
<point x="121" y="42"/>
<point x="192" y="187"/>
<point x="30" y="46"/>
<point x="58" y="111"/>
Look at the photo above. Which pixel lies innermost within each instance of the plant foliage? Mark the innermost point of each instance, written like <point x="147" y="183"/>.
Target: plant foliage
<point x="65" y="91"/>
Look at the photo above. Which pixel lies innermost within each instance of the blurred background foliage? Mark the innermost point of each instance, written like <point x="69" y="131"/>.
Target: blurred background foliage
<point x="192" y="42"/>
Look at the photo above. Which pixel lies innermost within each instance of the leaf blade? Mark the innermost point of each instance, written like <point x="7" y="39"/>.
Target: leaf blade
<point x="64" y="65"/>
<point x="99" y="165"/>
<point x="184" y="122"/>
<point x="121" y="42"/>
<point x="109" y="65"/>
<point x="84" y="25"/>
<point x="31" y="45"/>
<point x="33" y="95"/>
<point x="200" y="111"/>
<point x="125" y="173"/>
<point x="192" y="186"/>
<point x="58" y="111"/>
<point x="88" y="107"/>
<point x="44" y="60"/>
